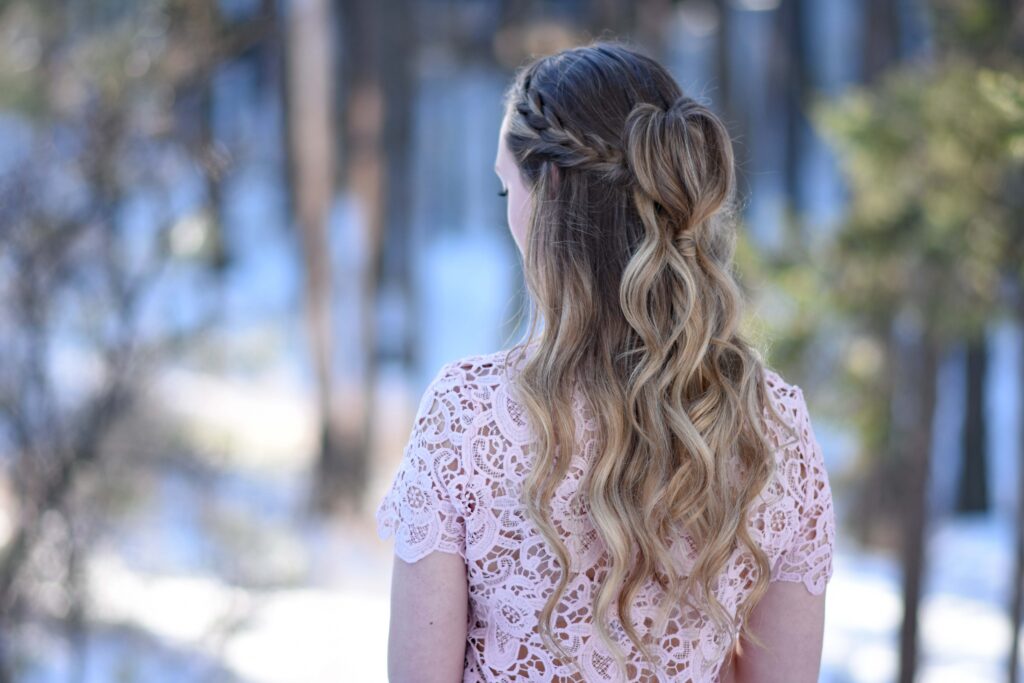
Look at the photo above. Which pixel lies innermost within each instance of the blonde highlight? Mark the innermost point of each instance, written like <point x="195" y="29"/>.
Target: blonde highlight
<point x="628" y="263"/>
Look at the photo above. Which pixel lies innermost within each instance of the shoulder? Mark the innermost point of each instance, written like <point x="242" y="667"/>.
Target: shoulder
<point x="786" y="398"/>
<point x="469" y="381"/>
<point x="779" y="388"/>
<point x="797" y="442"/>
<point x="788" y="420"/>
<point x="481" y="369"/>
<point x="483" y="365"/>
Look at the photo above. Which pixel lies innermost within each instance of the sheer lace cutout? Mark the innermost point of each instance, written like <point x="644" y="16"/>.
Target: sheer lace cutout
<point x="457" y="490"/>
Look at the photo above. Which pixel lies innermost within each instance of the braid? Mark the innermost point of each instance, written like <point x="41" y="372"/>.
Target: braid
<point x="567" y="149"/>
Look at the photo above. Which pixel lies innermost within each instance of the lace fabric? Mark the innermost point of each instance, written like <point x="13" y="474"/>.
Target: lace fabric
<point x="457" y="491"/>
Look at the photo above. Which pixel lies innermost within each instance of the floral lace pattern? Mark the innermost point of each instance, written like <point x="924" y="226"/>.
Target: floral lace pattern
<point x="457" y="491"/>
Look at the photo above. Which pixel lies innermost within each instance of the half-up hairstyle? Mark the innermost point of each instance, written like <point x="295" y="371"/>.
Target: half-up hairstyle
<point x="628" y="264"/>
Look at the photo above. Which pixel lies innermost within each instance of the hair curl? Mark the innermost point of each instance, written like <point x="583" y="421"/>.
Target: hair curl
<point x="628" y="263"/>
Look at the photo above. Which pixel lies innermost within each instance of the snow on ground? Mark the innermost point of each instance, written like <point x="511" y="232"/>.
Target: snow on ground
<point x="965" y="630"/>
<point x="223" y="578"/>
<point x="337" y="630"/>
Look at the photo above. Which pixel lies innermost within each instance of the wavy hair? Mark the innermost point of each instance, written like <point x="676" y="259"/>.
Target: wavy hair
<point x="628" y="266"/>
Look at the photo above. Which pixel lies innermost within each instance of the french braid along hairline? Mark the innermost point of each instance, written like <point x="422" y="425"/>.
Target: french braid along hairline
<point x="569" y="149"/>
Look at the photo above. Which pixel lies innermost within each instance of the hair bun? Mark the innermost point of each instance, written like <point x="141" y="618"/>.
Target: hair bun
<point x="681" y="157"/>
<point x="685" y="105"/>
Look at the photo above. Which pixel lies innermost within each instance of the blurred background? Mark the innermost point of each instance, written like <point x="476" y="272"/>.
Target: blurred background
<point x="238" y="238"/>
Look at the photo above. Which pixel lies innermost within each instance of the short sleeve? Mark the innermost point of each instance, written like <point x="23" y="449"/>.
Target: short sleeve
<point x="418" y="507"/>
<point x="807" y="557"/>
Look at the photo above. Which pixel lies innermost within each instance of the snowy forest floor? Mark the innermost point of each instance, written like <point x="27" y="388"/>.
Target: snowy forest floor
<point x="217" y="575"/>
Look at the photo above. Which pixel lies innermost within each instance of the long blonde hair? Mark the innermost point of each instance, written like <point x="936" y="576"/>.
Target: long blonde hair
<point x="628" y="263"/>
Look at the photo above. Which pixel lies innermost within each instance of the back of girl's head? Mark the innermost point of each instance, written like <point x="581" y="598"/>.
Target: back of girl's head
<point x="633" y="154"/>
<point x="633" y="188"/>
<point x="628" y="263"/>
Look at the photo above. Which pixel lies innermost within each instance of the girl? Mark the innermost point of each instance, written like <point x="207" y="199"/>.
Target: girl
<point x="630" y="494"/>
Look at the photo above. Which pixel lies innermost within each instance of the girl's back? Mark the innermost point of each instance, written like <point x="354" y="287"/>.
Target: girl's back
<point x="458" y="491"/>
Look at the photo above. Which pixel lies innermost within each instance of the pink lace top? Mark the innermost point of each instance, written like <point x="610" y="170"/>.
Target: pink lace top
<point x="457" y="489"/>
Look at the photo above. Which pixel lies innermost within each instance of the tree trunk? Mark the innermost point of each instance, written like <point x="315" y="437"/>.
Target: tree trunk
<point x="343" y="470"/>
<point x="728" y="110"/>
<point x="918" y="465"/>
<point x="1017" y="578"/>
<point x="723" y="63"/>
<point x="881" y="38"/>
<point x="211" y="159"/>
<point x="651" y="19"/>
<point x="398" y="80"/>
<point x="973" y="490"/>
<point x="308" y="75"/>
<point x="608" y="16"/>
<point x="790" y="68"/>
<point x="878" y="495"/>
